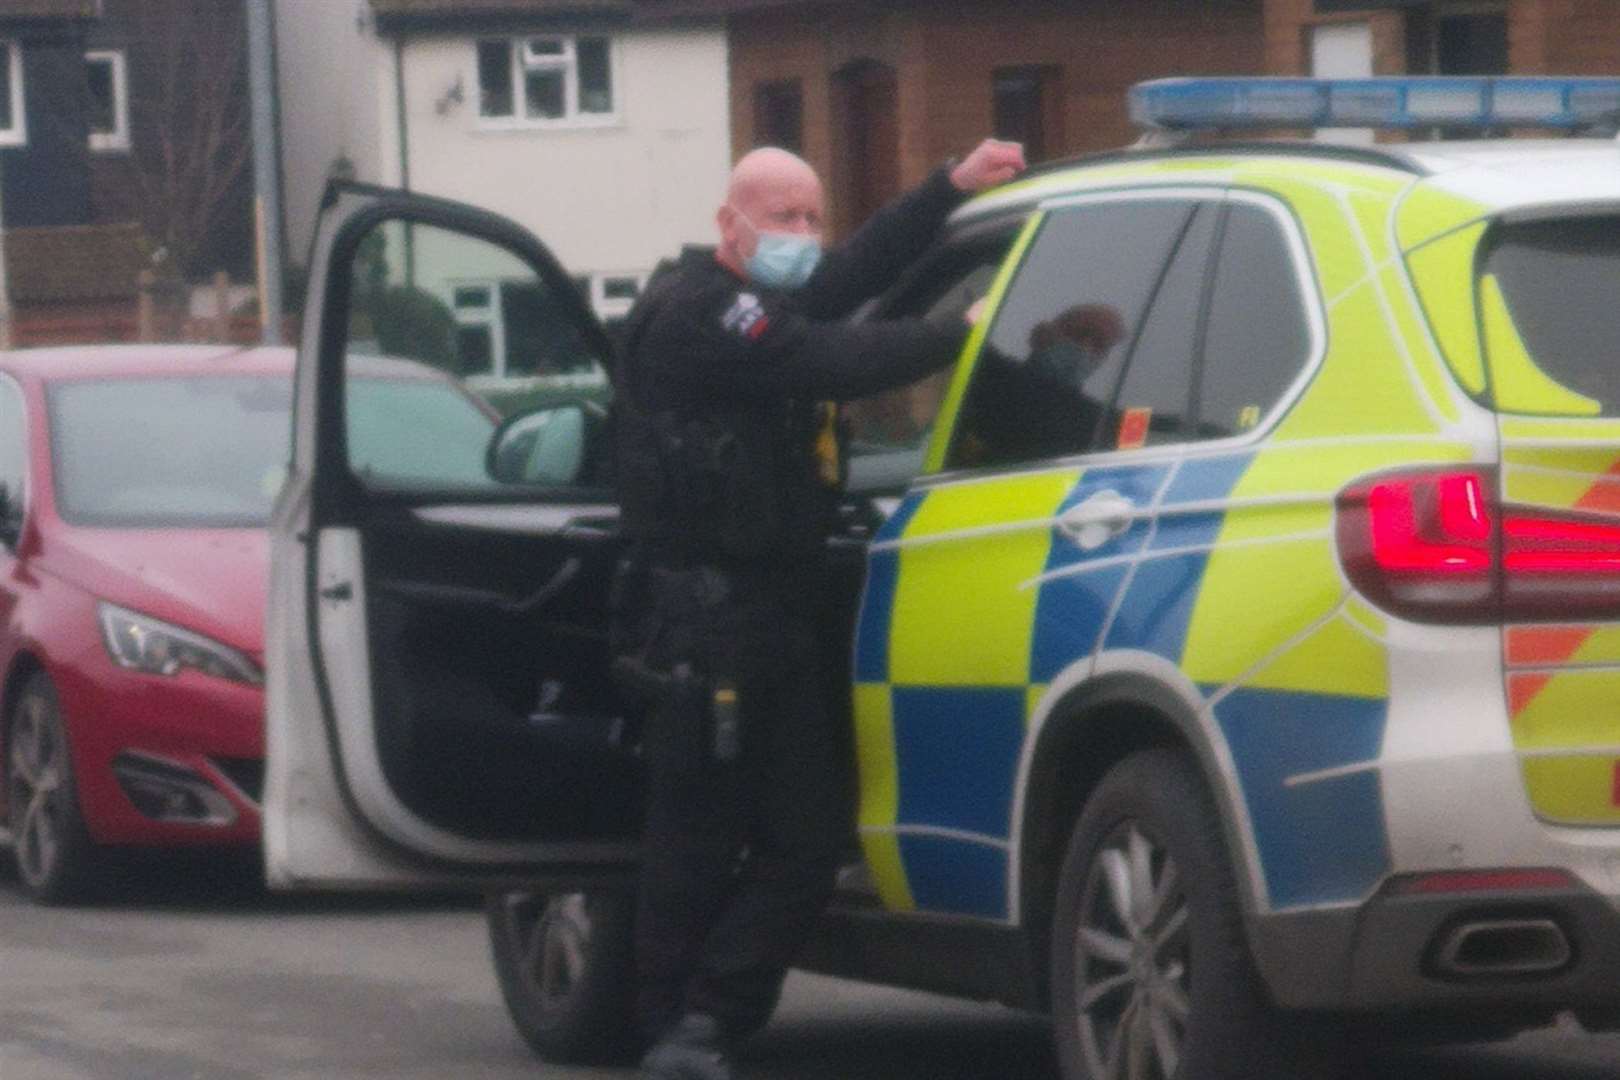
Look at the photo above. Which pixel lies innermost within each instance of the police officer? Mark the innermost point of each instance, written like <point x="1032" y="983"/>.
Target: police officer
<point x="728" y="479"/>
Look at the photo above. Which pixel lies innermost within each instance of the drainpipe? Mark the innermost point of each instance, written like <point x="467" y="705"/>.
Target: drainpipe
<point x="266" y="168"/>
<point x="404" y="154"/>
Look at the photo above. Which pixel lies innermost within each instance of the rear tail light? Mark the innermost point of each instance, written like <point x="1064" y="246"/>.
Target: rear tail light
<point x="1436" y="546"/>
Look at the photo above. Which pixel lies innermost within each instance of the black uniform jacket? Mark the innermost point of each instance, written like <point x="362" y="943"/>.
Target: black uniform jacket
<point x="719" y="382"/>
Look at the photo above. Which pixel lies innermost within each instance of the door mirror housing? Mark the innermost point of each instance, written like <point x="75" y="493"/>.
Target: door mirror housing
<point x="541" y="448"/>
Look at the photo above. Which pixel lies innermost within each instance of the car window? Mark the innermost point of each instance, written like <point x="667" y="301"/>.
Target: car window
<point x="167" y="451"/>
<point x="888" y="435"/>
<point x="405" y="430"/>
<point x="13" y="449"/>
<point x="1155" y="399"/>
<point x="1054" y="356"/>
<point x="448" y="333"/>
<point x="1258" y="339"/>
<point x="1547" y="296"/>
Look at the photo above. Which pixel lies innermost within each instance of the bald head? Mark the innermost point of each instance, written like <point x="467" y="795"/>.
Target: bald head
<point x="768" y="170"/>
<point x="771" y="191"/>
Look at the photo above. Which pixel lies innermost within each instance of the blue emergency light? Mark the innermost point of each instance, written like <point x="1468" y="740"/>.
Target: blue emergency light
<point x="1415" y="102"/>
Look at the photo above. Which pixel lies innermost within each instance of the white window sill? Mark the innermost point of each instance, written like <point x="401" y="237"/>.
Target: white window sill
<point x="13" y="138"/>
<point x="110" y="144"/>
<point x="495" y="126"/>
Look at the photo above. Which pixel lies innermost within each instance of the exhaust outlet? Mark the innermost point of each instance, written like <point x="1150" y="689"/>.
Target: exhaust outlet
<point x="1489" y="947"/>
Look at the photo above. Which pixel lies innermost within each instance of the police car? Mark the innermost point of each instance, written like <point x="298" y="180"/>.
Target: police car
<point x="1247" y="669"/>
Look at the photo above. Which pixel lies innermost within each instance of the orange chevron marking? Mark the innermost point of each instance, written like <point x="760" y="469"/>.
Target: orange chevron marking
<point x="1605" y="496"/>
<point x="1522" y="690"/>
<point x="1545" y="646"/>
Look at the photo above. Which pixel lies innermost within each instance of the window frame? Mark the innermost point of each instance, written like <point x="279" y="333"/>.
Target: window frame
<point x="1312" y="305"/>
<point x="118" y="139"/>
<point x="17" y="133"/>
<point x="567" y="63"/>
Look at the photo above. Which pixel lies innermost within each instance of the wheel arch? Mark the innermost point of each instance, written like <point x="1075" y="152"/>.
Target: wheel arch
<point x="1086" y="730"/>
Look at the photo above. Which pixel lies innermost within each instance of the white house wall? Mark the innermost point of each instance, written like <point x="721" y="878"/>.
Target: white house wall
<point x="329" y="66"/>
<point x="609" y="199"/>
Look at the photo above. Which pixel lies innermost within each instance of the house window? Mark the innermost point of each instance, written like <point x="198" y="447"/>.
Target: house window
<point x="1458" y="39"/>
<point x="13" y="125"/>
<point x="613" y="295"/>
<point x="480" y="330"/>
<point x="109" y="100"/>
<point x="543" y="81"/>
<point x="779" y="115"/>
<point x="1026" y="109"/>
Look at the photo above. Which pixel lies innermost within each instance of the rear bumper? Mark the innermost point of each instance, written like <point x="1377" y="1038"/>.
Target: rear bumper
<point x="1385" y="956"/>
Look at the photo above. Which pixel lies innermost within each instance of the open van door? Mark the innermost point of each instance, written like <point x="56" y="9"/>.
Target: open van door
<point x="439" y="707"/>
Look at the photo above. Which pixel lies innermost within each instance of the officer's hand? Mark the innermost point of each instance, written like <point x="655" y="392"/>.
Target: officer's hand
<point x="992" y="162"/>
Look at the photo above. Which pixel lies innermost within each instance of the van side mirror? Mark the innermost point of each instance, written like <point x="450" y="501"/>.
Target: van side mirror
<point x="542" y="447"/>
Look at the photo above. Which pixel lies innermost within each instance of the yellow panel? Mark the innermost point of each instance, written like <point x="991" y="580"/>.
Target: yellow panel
<point x="880" y="794"/>
<point x="1253" y="600"/>
<point x="1374" y="179"/>
<point x="1595" y="461"/>
<point x="1427" y="213"/>
<point x="1520" y="384"/>
<point x="1365" y="387"/>
<point x="1543" y="489"/>
<point x="1602" y="647"/>
<point x="1574" y="709"/>
<point x="1032" y="701"/>
<point x="1365" y="616"/>
<point x="1372" y="214"/>
<point x="1102" y="176"/>
<point x="962" y="616"/>
<point x="1573" y="790"/>
<point x="1337" y="255"/>
<point x="1552" y="432"/>
<point x="1430" y="367"/>
<point x="1337" y="659"/>
<point x="1444" y="275"/>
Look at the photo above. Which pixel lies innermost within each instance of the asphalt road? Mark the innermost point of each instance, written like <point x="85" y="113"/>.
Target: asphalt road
<point x="195" y="973"/>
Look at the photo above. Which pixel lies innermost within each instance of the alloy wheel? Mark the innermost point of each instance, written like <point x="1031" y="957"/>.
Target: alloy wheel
<point x="35" y="789"/>
<point x="554" y="933"/>
<point x="1132" y="959"/>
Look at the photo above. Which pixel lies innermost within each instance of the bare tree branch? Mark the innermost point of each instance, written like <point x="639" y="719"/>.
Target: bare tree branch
<point x="190" y="118"/>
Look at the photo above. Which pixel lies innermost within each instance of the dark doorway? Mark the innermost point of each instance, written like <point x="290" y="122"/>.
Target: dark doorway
<point x="779" y="115"/>
<point x="1027" y="103"/>
<point x="866" y="99"/>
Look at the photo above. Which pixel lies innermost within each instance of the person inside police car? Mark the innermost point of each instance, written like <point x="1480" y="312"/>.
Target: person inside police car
<point x="728" y="477"/>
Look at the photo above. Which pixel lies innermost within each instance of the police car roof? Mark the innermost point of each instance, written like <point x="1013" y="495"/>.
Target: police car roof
<point x="1504" y="174"/>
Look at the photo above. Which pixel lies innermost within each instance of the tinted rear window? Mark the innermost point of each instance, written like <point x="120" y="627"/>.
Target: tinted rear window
<point x="1560" y="281"/>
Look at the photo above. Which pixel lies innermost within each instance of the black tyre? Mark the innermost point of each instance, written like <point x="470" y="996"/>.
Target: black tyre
<point x="54" y="854"/>
<point x="1151" y="973"/>
<point x="566" y="965"/>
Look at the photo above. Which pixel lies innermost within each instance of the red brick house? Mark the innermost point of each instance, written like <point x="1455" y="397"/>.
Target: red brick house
<point x="1445" y="37"/>
<point x="875" y="94"/>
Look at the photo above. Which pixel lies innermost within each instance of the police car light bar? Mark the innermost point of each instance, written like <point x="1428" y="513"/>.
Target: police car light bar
<point x="1417" y="102"/>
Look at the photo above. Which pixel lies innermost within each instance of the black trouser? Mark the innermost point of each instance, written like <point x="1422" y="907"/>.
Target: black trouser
<point x="740" y="855"/>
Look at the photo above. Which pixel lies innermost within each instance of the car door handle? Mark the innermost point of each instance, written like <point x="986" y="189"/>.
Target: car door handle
<point x="343" y="590"/>
<point x="1090" y="524"/>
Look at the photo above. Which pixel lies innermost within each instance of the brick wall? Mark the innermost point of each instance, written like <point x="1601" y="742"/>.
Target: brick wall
<point x="1545" y="37"/>
<point x="945" y="55"/>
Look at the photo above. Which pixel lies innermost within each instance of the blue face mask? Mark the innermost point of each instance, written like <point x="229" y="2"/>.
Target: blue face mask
<point x="783" y="260"/>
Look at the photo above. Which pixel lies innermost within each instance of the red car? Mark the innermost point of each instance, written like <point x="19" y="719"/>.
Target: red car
<point x="135" y="485"/>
